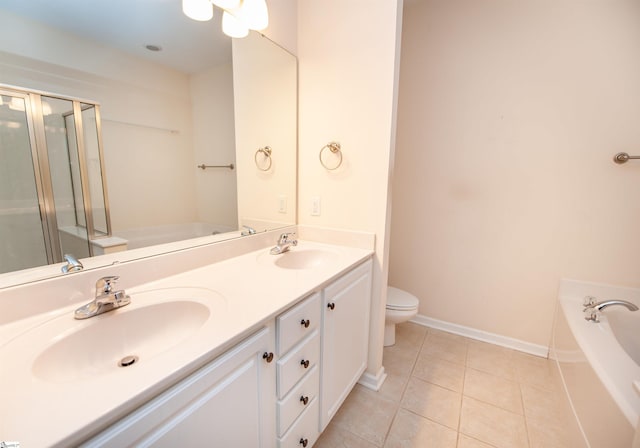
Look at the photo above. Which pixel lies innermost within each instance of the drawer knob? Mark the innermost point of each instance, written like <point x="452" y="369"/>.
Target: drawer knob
<point x="305" y="323"/>
<point x="305" y="363"/>
<point x="304" y="442"/>
<point x="267" y="356"/>
<point x="331" y="305"/>
<point x="304" y="400"/>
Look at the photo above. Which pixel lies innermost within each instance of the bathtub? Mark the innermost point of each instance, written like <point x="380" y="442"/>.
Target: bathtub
<point x="168" y="233"/>
<point x="599" y="363"/>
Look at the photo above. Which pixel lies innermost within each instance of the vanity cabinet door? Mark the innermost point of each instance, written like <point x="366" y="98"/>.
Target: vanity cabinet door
<point x="228" y="403"/>
<point x="345" y="338"/>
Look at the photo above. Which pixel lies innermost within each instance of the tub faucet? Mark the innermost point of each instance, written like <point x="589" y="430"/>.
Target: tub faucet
<point x="106" y="299"/>
<point x="592" y="307"/>
<point x="284" y="244"/>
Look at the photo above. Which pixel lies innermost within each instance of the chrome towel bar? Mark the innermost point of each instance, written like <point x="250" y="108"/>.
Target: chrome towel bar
<point x="623" y="157"/>
<point x="230" y="166"/>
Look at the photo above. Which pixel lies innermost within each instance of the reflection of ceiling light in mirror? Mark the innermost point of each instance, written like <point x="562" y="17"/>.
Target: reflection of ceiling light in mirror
<point x="201" y="10"/>
<point x="233" y="27"/>
<point x="238" y="18"/>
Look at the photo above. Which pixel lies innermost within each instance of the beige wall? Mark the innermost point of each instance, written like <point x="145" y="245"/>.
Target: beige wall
<point x="283" y="20"/>
<point x="214" y="144"/>
<point x="509" y="115"/>
<point x="265" y="107"/>
<point x="347" y="54"/>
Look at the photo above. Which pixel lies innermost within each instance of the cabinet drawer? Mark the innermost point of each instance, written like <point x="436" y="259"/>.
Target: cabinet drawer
<point x="304" y="431"/>
<point x="297" y="323"/>
<point x="297" y="362"/>
<point x="294" y="403"/>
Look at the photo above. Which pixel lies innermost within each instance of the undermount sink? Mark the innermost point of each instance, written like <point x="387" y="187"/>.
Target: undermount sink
<point x="302" y="258"/>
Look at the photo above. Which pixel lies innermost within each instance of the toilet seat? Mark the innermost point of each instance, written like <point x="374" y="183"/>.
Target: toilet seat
<point x="400" y="300"/>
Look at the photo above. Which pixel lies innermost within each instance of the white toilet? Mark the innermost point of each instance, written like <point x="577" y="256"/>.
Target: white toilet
<point x="401" y="306"/>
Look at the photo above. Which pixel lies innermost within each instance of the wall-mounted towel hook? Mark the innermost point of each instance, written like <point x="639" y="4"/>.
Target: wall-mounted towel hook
<point x="334" y="148"/>
<point x="266" y="152"/>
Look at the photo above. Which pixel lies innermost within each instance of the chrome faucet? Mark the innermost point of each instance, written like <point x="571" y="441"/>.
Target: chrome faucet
<point x="72" y="265"/>
<point x="106" y="299"/>
<point x="592" y="307"/>
<point x="248" y="231"/>
<point x="284" y="244"/>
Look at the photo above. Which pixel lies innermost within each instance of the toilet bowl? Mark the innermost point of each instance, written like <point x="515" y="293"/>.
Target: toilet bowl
<point x="401" y="306"/>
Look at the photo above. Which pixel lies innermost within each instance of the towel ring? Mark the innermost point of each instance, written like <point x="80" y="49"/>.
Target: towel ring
<point x="334" y="148"/>
<point x="267" y="155"/>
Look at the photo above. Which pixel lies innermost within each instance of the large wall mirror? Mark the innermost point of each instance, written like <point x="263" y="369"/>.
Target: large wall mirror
<point x="197" y="130"/>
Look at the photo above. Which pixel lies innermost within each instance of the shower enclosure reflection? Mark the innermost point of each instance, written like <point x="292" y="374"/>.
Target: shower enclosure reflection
<point x="161" y="115"/>
<point x="52" y="187"/>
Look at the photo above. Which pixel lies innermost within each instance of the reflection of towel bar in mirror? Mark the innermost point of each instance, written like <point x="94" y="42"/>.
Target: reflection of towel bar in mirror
<point x="204" y="167"/>
<point x="266" y="151"/>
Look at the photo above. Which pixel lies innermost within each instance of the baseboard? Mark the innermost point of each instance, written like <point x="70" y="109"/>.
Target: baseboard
<point x="373" y="382"/>
<point x="484" y="336"/>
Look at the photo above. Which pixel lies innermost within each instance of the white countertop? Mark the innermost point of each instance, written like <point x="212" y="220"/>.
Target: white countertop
<point x="248" y="290"/>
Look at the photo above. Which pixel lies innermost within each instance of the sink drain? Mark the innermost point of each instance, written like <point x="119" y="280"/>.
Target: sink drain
<point x="127" y="361"/>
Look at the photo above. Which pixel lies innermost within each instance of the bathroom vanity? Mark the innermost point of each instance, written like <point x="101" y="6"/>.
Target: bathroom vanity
<point x="254" y="350"/>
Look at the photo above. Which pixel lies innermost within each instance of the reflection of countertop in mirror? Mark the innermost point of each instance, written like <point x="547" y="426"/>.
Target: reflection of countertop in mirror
<point x="242" y="293"/>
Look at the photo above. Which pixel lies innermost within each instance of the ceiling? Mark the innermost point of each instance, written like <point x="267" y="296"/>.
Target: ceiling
<point x="130" y="25"/>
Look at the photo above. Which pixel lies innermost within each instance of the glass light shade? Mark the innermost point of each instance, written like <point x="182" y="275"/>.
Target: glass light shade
<point x="233" y="27"/>
<point x="254" y="14"/>
<point x="200" y="10"/>
<point x="226" y="4"/>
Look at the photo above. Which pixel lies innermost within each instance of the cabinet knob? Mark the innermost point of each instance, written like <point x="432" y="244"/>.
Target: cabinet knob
<point x="304" y="400"/>
<point x="304" y="442"/>
<point x="331" y="305"/>
<point x="304" y="363"/>
<point x="267" y="356"/>
<point x="305" y="323"/>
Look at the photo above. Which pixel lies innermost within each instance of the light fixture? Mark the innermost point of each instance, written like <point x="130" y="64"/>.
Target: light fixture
<point x="233" y="27"/>
<point x="200" y="10"/>
<point x="226" y="4"/>
<point x="254" y="14"/>
<point x="238" y="18"/>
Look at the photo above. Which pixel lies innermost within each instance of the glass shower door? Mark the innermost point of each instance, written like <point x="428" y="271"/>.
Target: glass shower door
<point x="22" y="229"/>
<point x="63" y="155"/>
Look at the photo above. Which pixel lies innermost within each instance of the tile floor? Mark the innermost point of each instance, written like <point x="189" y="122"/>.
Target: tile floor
<point x="448" y="391"/>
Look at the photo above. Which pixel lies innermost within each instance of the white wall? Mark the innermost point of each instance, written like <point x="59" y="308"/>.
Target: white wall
<point x="509" y="116"/>
<point x="347" y="54"/>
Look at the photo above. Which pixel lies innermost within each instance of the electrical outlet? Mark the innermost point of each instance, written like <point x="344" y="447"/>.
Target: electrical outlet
<point x="315" y="206"/>
<point x="282" y="204"/>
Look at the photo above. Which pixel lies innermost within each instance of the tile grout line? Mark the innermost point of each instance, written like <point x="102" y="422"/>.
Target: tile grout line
<point x="404" y="389"/>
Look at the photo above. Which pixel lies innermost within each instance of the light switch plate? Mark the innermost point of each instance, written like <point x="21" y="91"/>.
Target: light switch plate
<point x="315" y="206"/>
